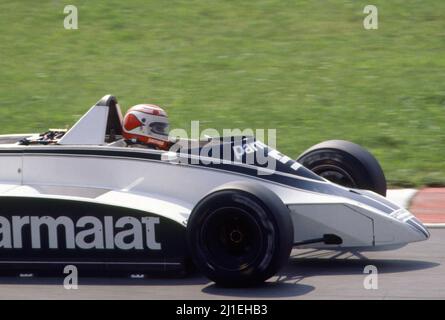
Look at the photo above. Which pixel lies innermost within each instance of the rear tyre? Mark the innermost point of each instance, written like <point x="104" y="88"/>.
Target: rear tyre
<point x="346" y="164"/>
<point x="240" y="237"/>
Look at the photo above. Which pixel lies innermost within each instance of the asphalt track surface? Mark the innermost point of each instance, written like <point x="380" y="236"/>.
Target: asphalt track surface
<point x="416" y="271"/>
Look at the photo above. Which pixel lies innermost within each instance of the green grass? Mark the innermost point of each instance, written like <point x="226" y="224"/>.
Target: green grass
<point x="306" y="68"/>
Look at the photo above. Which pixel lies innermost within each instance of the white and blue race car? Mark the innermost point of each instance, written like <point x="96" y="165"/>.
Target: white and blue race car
<point x="87" y="197"/>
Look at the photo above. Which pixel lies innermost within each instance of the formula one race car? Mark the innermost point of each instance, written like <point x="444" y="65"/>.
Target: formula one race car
<point x="87" y="197"/>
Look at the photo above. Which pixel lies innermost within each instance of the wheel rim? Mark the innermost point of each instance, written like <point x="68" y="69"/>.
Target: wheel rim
<point x="231" y="238"/>
<point x="336" y="175"/>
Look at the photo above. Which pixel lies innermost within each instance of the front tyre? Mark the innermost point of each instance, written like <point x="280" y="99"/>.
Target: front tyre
<point x="345" y="163"/>
<point x="240" y="238"/>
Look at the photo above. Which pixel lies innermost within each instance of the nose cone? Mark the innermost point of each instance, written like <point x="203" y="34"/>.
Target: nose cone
<point x="416" y="230"/>
<point x="401" y="228"/>
<point x="419" y="227"/>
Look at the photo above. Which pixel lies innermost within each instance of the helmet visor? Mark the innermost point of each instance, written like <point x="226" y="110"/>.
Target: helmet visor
<point x="159" y="128"/>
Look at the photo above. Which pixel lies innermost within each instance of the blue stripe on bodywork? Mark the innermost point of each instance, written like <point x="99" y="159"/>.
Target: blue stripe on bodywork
<point x="234" y="167"/>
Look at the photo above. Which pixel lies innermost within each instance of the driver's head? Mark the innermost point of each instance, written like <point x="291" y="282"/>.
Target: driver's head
<point x="148" y="124"/>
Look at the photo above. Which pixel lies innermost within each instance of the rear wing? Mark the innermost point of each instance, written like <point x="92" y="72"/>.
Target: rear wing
<point x="102" y="124"/>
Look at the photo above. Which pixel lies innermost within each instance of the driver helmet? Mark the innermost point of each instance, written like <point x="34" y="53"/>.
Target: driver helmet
<point x="147" y="124"/>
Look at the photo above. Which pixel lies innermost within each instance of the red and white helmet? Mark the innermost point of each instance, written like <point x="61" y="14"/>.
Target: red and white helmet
<point x="147" y="123"/>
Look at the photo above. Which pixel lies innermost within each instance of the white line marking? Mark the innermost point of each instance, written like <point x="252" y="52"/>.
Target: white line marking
<point x="434" y="225"/>
<point x="402" y="197"/>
